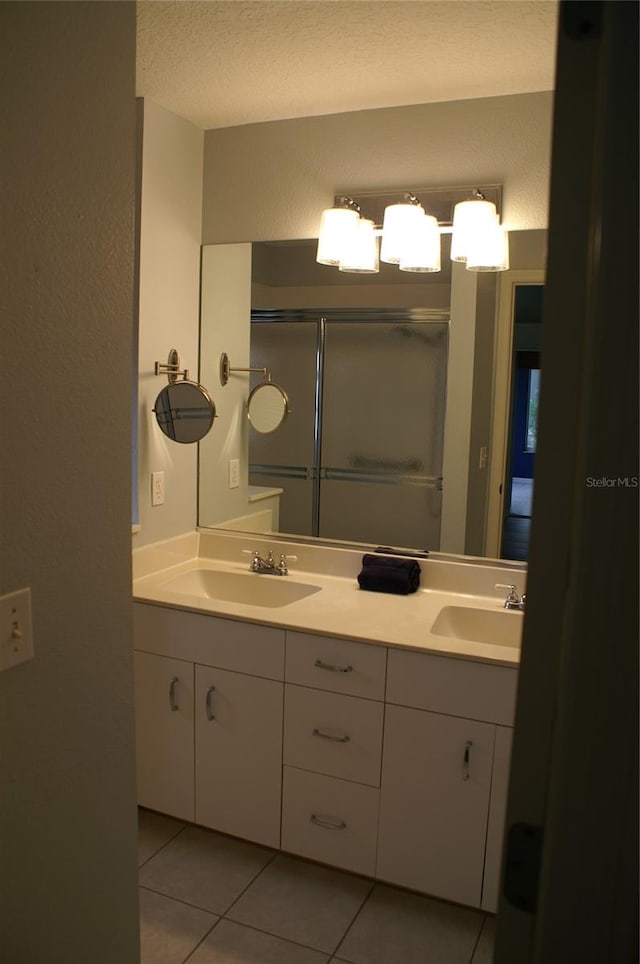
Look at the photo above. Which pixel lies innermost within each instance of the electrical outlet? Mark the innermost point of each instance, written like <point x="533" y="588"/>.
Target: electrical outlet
<point x="16" y="637"/>
<point x="157" y="488"/>
<point x="234" y="473"/>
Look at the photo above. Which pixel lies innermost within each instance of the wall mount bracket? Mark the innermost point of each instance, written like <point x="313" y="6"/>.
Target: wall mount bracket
<point x="226" y="369"/>
<point x="172" y="369"/>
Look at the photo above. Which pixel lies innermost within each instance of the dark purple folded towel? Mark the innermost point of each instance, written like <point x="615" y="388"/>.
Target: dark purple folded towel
<point x="383" y="574"/>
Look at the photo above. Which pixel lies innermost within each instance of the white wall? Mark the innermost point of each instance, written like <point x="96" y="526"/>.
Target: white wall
<point x="68" y="886"/>
<point x="170" y="222"/>
<point x="272" y="181"/>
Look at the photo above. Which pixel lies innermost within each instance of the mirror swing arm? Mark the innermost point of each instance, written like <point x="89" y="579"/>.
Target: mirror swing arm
<point x="172" y="369"/>
<point x="226" y="369"/>
<point x="266" y="414"/>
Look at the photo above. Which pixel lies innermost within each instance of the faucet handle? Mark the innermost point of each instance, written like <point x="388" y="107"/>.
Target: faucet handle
<point x="282" y="564"/>
<point x="514" y="600"/>
<point x="254" y="565"/>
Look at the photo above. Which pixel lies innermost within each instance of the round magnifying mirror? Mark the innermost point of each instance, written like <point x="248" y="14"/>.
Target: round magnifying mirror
<point x="184" y="411"/>
<point x="267" y="407"/>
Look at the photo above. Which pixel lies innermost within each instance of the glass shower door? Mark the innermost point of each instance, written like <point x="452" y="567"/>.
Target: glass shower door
<point x="383" y="432"/>
<point x="285" y="459"/>
<point x="360" y="457"/>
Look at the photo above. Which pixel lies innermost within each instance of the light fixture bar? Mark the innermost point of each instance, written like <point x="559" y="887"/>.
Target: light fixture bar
<point x="409" y="225"/>
<point x="438" y="202"/>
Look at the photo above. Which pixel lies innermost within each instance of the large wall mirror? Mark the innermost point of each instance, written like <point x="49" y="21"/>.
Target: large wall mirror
<point x="408" y="399"/>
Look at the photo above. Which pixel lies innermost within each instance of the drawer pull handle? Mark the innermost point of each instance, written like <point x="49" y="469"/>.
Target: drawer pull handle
<point x="207" y="702"/>
<point x="329" y="823"/>
<point x="465" y="760"/>
<point x="172" y="694"/>
<point x="331" y="736"/>
<point x="332" y="668"/>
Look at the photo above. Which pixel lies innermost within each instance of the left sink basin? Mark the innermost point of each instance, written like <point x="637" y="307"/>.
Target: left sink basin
<point x="238" y="587"/>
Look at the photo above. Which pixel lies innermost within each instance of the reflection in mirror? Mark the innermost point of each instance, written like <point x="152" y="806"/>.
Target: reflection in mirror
<point x="523" y="420"/>
<point x="184" y="411"/>
<point x="326" y="469"/>
<point x="267" y="407"/>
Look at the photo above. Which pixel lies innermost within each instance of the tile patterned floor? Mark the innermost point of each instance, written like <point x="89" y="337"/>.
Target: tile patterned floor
<point x="210" y="899"/>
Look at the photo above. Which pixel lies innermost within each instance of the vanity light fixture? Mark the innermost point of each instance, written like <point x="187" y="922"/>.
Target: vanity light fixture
<point x="410" y="236"/>
<point x="478" y="239"/>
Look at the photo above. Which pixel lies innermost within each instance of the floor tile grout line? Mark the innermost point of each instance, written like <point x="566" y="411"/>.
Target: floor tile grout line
<point x="202" y="940"/>
<point x="353" y="919"/>
<point x="251" y="882"/>
<point x="475" y="946"/>
<point x="279" y="937"/>
<point x="162" y="846"/>
<point x="179" y="900"/>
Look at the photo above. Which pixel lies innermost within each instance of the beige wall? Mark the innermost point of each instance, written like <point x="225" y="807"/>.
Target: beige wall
<point x="170" y="220"/>
<point x="67" y="807"/>
<point x="270" y="181"/>
<point x="226" y="308"/>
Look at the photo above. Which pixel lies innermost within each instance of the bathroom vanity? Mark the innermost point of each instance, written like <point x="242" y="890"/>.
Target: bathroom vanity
<point x="349" y="727"/>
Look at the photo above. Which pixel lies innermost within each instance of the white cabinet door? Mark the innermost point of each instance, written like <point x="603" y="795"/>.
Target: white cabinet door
<point x="434" y="801"/>
<point x="497" y="815"/>
<point x="239" y="754"/>
<point x="164" y="734"/>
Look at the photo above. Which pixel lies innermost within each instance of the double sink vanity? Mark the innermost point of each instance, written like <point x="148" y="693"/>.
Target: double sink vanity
<point x="364" y="730"/>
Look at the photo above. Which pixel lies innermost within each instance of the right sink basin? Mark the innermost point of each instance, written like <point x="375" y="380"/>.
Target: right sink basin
<point x="499" y="627"/>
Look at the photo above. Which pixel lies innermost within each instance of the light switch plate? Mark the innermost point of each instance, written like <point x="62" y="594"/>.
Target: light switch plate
<point x="157" y="488"/>
<point x="16" y="637"/>
<point x="234" y="473"/>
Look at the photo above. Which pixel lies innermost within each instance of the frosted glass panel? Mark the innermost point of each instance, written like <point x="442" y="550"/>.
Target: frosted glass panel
<point x="385" y="387"/>
<point x="296" y="502"/>
<point x="288" y="350"/>
<point x="381" y="514"/>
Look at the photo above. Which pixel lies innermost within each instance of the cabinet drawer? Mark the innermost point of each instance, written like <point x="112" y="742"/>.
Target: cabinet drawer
<point x="355" y="669"/>
<point x="330" y="820"/>
<point x="340" y="736"/>
<point x="457" y="687"/>
<point x="209" y="640"/>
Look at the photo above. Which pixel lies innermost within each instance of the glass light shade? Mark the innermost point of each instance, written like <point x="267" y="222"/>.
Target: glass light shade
<point x="398" y="225"/>
<point x="469" y="218"/>
<point x="489" y="251"/>
<point x="337" y="229"/>
<point x="362" y="256"/>
<point x="424" y="252"/>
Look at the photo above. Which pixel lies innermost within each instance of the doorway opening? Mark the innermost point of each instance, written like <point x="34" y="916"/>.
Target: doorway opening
<point x="523" y="421"/>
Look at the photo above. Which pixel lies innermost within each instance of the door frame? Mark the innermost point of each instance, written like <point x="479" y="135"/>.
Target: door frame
<point x="501" y="407"/>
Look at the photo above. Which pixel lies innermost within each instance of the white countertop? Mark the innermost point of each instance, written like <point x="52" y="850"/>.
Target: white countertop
<point x="340" y="608"/>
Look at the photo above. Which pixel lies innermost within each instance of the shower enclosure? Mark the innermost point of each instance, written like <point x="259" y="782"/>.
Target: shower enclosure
<point x="360" y="457"/>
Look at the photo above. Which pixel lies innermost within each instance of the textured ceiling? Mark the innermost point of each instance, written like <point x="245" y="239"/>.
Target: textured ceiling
<point x="221" y="63"/>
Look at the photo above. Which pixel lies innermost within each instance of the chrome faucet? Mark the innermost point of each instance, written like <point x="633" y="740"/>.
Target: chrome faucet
<point x="514" y="600"/>
<point x="268" y="566"/>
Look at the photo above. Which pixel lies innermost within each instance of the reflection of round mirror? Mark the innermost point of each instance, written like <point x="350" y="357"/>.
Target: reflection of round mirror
<point x="267" y="407"/>
<point x="184" y="411"/>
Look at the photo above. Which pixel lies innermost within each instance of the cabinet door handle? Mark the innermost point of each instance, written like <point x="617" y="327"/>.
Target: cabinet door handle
<point x="207" y="703"/>
<point x="334" y="737"/>
<point x="329" y="823"/>
<point x="465" y="760"/>
<point x="172" y="694"/>
<point x="332" y="668"/>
